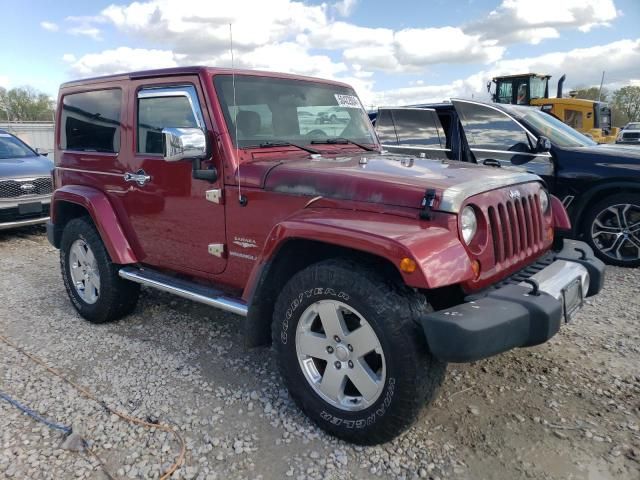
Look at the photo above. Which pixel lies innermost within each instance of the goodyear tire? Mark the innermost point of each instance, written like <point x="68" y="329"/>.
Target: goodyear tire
<point x="352" y="353"/>
<point x="90" y="278"/>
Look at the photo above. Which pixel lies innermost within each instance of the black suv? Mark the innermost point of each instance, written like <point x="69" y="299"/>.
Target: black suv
<point x="598" y="184"/>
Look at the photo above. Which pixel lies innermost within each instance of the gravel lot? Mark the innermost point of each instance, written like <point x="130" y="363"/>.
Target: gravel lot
<point x="566" y="409"/>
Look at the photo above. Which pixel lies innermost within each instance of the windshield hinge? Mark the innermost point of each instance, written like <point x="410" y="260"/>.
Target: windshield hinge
<point x="427" y="204"/>
<point x="214" y="196"/>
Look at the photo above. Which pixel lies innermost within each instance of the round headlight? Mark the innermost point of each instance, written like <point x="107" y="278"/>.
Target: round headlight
<point x="544" y="201"/>
<point x="468" y="224"/>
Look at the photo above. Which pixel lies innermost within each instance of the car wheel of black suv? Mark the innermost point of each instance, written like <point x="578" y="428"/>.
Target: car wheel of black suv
<point x="91" y="279"/>
<point x="352" y="352"/>
<point x="612" y="228"/>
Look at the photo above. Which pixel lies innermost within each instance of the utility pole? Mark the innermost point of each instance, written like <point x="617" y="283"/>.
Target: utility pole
<point x="600" y="91"/>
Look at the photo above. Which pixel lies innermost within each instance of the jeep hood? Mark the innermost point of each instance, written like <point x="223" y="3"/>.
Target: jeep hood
<point x="388" y="179"/>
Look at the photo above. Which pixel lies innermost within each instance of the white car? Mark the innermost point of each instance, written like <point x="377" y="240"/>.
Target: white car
<point x="630" y="134"/>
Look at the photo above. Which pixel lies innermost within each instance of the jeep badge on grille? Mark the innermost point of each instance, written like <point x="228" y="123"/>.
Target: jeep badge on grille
<point x="513" y="194"/>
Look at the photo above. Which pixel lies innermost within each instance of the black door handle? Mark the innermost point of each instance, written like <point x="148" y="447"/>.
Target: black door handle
<point x="490" y="162"/>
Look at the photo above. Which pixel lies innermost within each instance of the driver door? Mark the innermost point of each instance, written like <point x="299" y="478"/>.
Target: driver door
<point x="173" y="221"/>
<point x="495" y="139"/>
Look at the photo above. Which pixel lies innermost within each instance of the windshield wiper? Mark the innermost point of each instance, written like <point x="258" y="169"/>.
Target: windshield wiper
<point x="342" y="141"/>
<point x="283" y="143"/>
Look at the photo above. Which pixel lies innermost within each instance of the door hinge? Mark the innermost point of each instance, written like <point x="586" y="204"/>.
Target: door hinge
<point x="214" y="196"/>
<point x="216" y="249"/>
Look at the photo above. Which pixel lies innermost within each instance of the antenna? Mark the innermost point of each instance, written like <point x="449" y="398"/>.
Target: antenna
<point x="241" y="198"/>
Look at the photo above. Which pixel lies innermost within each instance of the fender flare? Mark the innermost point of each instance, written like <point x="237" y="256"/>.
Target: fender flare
<point x="587" y="197"/>
<point x="440" y="256"/>
<point x="104" y="217"/>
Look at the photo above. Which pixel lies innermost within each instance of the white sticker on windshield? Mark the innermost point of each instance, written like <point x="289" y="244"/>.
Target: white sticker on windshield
<point x="347" y="101"/>
<point x="5" y="135"/>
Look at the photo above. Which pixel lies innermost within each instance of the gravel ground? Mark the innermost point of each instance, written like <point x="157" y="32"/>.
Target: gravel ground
<point x="569" y="409"/>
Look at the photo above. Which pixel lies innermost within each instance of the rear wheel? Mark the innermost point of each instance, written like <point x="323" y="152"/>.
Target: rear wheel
<point x="612" y="228"/>
<point x="89" y="276"/>
<point x="352" y="352"/>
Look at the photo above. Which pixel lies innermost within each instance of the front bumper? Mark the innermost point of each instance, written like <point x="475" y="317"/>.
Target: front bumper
<point x="13" y="215"/>
<point x="514" y="315"/>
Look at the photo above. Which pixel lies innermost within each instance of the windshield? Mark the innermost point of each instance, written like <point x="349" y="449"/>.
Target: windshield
<point x="274" y="110"/>
<point x="632" y="126"/>
<point x="560" y="134"/>
<point x="11" y="147"/>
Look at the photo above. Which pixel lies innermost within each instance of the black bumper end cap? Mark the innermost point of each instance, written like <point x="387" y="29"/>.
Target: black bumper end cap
<point x="580" y="252"/>
<point x="506" y="318"/>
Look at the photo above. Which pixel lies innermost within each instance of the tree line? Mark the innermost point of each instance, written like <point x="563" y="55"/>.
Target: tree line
<point x="624" y="102"/>
<point x="25" y="104"/>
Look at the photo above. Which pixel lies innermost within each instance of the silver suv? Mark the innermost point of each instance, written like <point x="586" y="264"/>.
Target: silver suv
<point x="25" y="184"/>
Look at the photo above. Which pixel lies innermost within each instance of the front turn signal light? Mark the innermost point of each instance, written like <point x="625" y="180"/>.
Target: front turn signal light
<point x="549" y="233"/>
<point x="408" y="265"/>
<point x="475" y="266"/>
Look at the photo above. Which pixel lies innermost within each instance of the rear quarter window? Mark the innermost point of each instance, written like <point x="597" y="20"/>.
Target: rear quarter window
<point x="90" y="121"/>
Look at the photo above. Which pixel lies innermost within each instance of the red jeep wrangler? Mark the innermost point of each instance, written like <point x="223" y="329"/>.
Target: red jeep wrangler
<point x="367" y="271"/>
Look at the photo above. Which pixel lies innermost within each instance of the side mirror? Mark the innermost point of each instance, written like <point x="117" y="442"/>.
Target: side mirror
<point x="182" y="143"/>
<point x="40" y="152"/>
<point x="543" y="145"/>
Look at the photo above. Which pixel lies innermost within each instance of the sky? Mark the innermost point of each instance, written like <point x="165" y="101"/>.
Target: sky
<point x="393" y="52"/>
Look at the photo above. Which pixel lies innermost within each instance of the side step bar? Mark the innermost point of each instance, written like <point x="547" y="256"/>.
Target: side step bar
<point x="185" y="289"/>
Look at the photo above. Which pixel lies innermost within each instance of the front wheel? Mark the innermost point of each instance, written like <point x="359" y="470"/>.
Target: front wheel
<point x="612" y="228"/>
<point x="352" y="353"/>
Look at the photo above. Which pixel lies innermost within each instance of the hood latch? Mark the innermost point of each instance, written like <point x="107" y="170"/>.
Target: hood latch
<point x="427" y="204"/>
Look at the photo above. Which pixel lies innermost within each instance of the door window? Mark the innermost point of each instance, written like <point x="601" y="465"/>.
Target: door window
<point x="490" y="129"/>
<point x="505" y="92"/>
<point x="417" y="127"/>
<point x="91" y="121"/>
<point x="384" y="127"/>
<point x="164" y="108"/>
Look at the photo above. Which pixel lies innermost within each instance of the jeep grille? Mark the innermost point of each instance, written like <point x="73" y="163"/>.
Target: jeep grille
<point x="516" y="228"/>
<point x="25" y="187"/>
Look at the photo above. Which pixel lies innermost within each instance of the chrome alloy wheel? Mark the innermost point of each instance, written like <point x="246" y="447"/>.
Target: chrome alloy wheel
<point x="84" y="271"/>
<point x="616" y="232"/>
<point x="340" y="355"/>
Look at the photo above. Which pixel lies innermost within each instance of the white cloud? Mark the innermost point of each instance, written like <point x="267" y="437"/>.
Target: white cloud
<point x="336" y="35"/>
<point x="426" y="46"/>
<point x="535" y="20"/>
<point x="69" y="57"/>
<point x="618" y="59"/>
<point x="87" y="31"/>
<point x="292" y="58"/>
<point x="345" y="7"/>
<point x="4" y="81"/>
<point x="49" y="26"/>
<point x="193" y="26"/>
<point x="123" y="59"/>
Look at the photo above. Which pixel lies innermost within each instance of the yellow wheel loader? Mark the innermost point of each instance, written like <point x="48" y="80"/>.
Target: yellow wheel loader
<point x="593" y="118"/>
